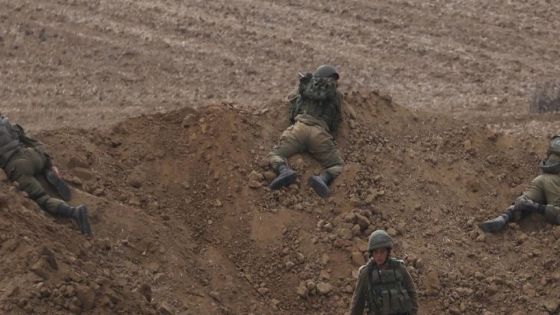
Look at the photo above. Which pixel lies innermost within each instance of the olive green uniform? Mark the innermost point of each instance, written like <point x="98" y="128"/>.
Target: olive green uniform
<point x="379" y="301"/>
<point x="23" y="158"/>
<point x="22" y="168"/>
<point x="313" y="125"/>
<point x="545" y="190"/>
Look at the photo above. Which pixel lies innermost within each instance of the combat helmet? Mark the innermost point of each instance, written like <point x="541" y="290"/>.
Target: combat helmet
<point x="379" y="239"/>
<point x="554" y="146"/>
<point x="325" y="71"/>
<point x="552" y="164"/>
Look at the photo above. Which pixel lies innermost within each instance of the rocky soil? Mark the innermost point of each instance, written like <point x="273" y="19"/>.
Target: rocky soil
<point x="184" y="222"/>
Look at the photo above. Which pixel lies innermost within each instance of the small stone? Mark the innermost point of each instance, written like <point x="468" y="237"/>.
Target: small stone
<point x="300" y="258"/>
<point x="263" y="291"/>
<point x="481" y="238"/>
<point x="356" y="230"/>
<point x="522" y="237"/>
<point x="349" y="217"/>
<point x="269" y="176"/>
<point x="188" y="120"/>
<point x="492" y="289"/>
<point x="344" y="233"/>
<point x="432" y="280"/>
<point x="391" y="231"/>
<point x="41" y="268"/>
<point x="478" y="275"/>
<point x="357" y="258"/>
<point x="324" y="288"/>
<point x="165" y="309"/>
<point x="289" y="265"/>
<point x="551" y="305"/>
<point x="310" y="284"/>
<point x="86" y="295"/>
<point x="255" y="179"/>
<point x="362" y="221"/>
<point x="135" y="181"/>
<point x="324" y="259"/>
<point x="302" y="290"/>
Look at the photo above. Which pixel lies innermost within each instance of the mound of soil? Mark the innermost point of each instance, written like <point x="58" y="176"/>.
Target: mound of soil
<point x="184" y="222"/>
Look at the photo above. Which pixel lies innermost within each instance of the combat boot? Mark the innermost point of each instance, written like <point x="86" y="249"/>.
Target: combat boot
<point x="285" y="177"/>
<point x="321" y="183"/>
<point x="79" y="214"/>
<point x="494" y="225"/>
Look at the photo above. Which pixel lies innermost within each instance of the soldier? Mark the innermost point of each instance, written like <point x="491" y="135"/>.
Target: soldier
<point x="384" y="285"/>
<point x="315" y="114"/>
<point x="22" y="159"/>
<point x="541" y="197"/>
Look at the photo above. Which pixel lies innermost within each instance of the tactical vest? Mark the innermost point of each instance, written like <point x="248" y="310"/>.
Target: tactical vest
<point x="387" y="294"/>
<point x="318" y="98"/>
<point x="9" y="141"/>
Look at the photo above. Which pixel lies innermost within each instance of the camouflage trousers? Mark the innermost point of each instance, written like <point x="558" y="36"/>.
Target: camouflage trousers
<point x="301" y="137"/>
<point x="23" y="167"/>
<point x="544" y="190"/>
<point x="523" y="206"/>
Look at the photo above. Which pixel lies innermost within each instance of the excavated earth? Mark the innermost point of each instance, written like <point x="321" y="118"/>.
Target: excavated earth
<point x="184" y="222"/>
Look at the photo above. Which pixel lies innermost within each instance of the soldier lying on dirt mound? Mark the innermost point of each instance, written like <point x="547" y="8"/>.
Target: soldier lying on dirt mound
<point x="384" y="285"/>
<point x="315" y="114"/>
<point x="23" y="158"/>
<point x="542" y="196"/>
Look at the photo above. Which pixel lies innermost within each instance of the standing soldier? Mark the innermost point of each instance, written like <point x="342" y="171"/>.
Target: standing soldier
<point x="315" y="114"/>
<point x="384" y="285"/>
<point x="542" y="196"/>
<point x="22" y="159"/>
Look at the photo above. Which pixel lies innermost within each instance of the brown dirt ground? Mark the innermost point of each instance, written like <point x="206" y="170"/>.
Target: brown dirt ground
<point x="183" y="220"/>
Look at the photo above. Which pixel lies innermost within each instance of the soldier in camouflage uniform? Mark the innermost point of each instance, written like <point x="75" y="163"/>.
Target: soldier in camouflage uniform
<point x="542" y="196"/>
<point x="315" y="114"/>
<point x="22" y="159"/>
<point x="384" y="285"/>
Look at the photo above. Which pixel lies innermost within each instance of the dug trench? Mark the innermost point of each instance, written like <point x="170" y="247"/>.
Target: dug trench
<point x="184" y="222"/>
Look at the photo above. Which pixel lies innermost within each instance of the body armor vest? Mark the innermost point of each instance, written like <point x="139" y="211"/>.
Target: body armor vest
<point x="387" y="294"/>
<point x="9" y="140"/>
<point x="317" y="98"/>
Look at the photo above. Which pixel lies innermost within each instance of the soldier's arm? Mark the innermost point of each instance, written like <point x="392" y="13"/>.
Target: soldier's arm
<point x="360" y="292"/>
<point x="410" y="287"/>
<point x="338" y="113"/>
<point x="292" y="101"/>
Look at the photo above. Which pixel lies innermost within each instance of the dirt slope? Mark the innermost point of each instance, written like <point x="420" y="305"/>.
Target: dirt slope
<point x="184" y="223"/>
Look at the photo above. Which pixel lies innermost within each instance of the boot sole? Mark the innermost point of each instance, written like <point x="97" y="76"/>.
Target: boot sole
<point x="283" y="182"/>
<point x="59" y="184"/>
<point x="83" y="221"/>
<point x="320" y="188"/>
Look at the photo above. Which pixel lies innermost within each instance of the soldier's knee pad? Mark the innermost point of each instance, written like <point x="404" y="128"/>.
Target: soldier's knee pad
<point x="523" y="203"/>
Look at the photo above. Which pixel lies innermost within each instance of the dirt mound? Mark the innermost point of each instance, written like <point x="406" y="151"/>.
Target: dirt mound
<point x="184" y="222"/>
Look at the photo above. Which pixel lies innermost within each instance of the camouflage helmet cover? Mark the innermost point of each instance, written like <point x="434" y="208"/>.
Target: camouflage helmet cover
<point x="554" y="146"/>
<point x="325" y="71"/>
<point x="551" y="165"/>
<point x="379" y="239"/>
